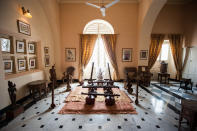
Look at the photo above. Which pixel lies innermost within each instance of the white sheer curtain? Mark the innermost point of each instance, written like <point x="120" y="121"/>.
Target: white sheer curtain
<point x="100" y="60"/>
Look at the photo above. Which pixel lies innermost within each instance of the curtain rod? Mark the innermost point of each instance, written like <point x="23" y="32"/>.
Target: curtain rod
<point x="99" y="34"/>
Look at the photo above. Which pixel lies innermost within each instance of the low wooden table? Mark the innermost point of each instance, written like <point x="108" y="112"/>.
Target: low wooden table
<point x="165" y="75"/>
<point x="37" y="86"/>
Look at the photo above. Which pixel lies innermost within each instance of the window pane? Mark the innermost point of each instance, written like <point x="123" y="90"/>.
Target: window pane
<point x="164" y="51"/>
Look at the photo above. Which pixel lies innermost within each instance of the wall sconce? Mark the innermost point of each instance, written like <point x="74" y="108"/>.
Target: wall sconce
<point x="26" y="13"/>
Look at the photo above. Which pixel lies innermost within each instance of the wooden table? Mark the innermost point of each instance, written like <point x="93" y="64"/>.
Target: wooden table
<point x="165" y="75"/>
<point x="37" y="86"/>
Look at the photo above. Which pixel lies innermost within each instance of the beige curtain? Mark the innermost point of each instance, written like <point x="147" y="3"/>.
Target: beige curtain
<point x="155" y="48"/>
<point x="176" y="43"/>
<point x="186" y="57"/>
<point x="87" y="43"/>
<point x="109" y="41"/>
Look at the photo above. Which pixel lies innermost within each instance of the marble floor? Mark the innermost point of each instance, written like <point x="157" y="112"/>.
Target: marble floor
<point x="153" y="114"/>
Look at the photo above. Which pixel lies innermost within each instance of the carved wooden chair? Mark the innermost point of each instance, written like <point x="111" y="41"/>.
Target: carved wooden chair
<point x="131" y="76"/>
<point x="68" y="74"/>
<point x="186" y="84"/>
<point x="188" y="112"/>
<point x="144" y="75"/>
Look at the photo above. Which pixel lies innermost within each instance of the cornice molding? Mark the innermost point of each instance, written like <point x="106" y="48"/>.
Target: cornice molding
<point x="95" y="1"/>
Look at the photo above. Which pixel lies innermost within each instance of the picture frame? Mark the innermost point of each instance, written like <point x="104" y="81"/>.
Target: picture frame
<point x="143" y="54"/>
<point x="21" y="64"/>
<point x="70" y="54"/>
<point x="47" y="60"/>
<point x="31" y="48"/>
<point x="23" y="28"/>
<point x="127" y="54"/>
<point x="8" y="66"/>
<point x="46" y="50"/>
<point x="32" y="63"/>
<point x="5" y="45"/>
<point x="20" y="46"/>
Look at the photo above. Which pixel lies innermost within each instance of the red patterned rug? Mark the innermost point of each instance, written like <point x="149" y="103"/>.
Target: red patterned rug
<point x="75" y="104"/>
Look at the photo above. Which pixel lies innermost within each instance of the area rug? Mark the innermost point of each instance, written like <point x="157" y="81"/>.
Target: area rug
<point x="75" y="104"/>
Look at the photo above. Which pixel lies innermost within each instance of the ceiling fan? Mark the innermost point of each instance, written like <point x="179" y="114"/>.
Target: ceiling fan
<point x="103" y="7"/>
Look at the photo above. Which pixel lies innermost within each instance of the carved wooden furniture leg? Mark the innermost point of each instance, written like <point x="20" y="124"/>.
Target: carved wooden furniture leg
<point x="52" y="104"/>
<point x="136" y="100"/>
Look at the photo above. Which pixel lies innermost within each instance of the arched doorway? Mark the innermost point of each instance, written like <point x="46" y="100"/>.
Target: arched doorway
<point x="99" y="56"/>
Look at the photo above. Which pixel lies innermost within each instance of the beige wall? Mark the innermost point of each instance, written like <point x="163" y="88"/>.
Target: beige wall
<point x="41" y="31"/>
<point x="123" y="18"/>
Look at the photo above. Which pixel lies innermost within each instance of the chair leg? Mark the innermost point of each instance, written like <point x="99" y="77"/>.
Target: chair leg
<point x="180" y="119"/>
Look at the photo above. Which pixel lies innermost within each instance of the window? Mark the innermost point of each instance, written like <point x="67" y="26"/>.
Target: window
<point x="99" y="56"/>
<point x="163" y="56"/>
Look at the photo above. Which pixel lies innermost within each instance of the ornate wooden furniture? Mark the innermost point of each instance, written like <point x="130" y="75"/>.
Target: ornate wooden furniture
<point x="131" y="75"/>
<point x="68" y="75"/>
<point x="189" y="112"/>
<point x="53" y="79"/>
<point x="144" y="75"/>
<point x="37" y="86"/>
<point x="166" y="77"/>
<point x="186" y="84"/>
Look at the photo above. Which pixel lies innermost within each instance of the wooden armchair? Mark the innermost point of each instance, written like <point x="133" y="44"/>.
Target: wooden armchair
<point x="144" y="75"/>
<point x="68" y="74"/>
<point x="131" y="76"/>
<point x="186" y="84"/>
<point x="188" y="112"/>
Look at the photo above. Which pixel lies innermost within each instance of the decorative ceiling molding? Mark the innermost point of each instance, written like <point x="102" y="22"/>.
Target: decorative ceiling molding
<point x="96" y="1"/>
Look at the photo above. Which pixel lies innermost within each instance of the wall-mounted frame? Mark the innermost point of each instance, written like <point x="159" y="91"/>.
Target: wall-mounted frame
<point x="20" y="46"/>
<point x="32" y="63"/>
<point x="143" y="54"/>
<point x="5" y="45"/>
<point x="31" y="48"/>
<point x="8" y="66"/>
<point x="21" y="64"/>
<point x="23" y="28"/>
<point x="46" y="50"/>
<point x="70" y="54"/>
<point x="127" y="54"/>
<point x="47" y="60"/>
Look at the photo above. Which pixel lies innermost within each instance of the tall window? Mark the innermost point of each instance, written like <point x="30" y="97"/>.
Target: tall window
<point x="164" y="54"/>
<point x="99" y="56"/>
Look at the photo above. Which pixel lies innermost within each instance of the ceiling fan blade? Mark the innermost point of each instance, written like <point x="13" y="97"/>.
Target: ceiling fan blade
<point x="93" y="5"/>
<point x="112" y="3"/>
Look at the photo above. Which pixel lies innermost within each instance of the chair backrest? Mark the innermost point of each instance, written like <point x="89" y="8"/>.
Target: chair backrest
<point x="143" y="69"/>
<point x="130" y="69"/>
<point x="70" y="70"/>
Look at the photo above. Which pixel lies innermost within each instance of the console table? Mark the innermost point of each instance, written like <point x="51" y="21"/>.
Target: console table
<point x="37" y="86"/>
<point x="165" y="75"/>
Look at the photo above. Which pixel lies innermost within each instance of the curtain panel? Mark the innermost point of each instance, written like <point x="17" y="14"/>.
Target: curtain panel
<point x="87" y="43"/>
<point x="176" y="43"/>
<point x="155" y="48"/>
<point x="109" y="41"/>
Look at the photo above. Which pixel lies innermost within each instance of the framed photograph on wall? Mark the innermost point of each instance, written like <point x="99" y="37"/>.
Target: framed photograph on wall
<point x="21" y="64"/>
<point x="31" y="48"/>
<point x="46" y="50"/>
<point x="47" y="60"/>
<point x="32" y="63"/>
<point x="70" y="54"/>
<point x="20" y="46"/>
<point x="143" y="54"/>
<point x="23" y="28"/>
<point x="127" y="54"/>
<point x="8" y="66"/>
<point x="5" y="45"/>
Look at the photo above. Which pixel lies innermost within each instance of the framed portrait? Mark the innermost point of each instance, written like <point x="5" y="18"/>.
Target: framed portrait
<point x="143" y="54"/>
<point x="46" y="50"/>
<point x="5" y="44"/>
<point x="127" y="54"/>
<point x="23" y="28"/>
<point x="47" y="60"/>
<point x="21" y="64"/>
<point x="8" y="66"/>
<point x="32" y="63"/>
<point x="20" y="46"/>
<point x="70" y="54"/>
<point x="31" y="48"/>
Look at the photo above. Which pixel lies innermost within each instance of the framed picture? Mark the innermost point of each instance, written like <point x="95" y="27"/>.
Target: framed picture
<point x="21" y="64"/>
<point x="70" y="54"/>
<point x="31" y="48"/>
<point x="32" y="63"/>
<point x="143" y="54"/>
<point x="20" y="46"/>
<point x="47" y="60"/>
<point x="46" y="50"/>
<point x="23" y="28"/>
<point x="8" y="64"/>
<point x="5" y="44"/>
<point x="127" y="54"/>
